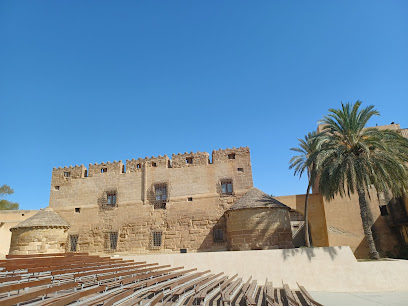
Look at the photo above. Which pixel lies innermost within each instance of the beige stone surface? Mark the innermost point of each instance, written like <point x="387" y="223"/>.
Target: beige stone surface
<point x="8" y="219"/>
<point x="332" y="269"/>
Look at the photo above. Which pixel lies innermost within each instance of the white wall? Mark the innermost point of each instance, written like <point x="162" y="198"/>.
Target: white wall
<point x="332" y="269"/>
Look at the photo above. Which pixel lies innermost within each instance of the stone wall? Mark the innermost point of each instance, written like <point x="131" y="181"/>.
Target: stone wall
<point x="258" y="229"/>
<point x="38" y="240"/>
<point x="193" y="207"/>
<point x="8" y="219"/>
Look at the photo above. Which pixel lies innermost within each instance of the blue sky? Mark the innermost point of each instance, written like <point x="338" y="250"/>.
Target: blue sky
<point x="91" y="81"/>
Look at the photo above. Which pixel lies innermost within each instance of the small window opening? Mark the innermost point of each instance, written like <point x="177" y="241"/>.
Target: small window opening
<point x="73" y="243"/>
<point x="67" y="174"/>
<point x="383" y="210"/>
<point x="183" y="250"/>
<point x="57" y="187"/>
<point x="189" y="160"/>
<point x="157" y="239"/>
<point x="154" y="164"/>
<point x="138" y="166"/>
<point x="23" y="215"/>
<point x="77" y="210"/>
<point x="86" y="173"/>
<point x="123" y="169"/>
<point x="226" y="187"/>
<point x="113" y="239"/>
<point x="103" y="170"/>
<point x="241" y="170"/>
<point x="111" y="198"/>
<point x="231" y="156"/>
<point x="169" y="164"/>
<point x="190" y="199"/>
<point x="218" y="235"/>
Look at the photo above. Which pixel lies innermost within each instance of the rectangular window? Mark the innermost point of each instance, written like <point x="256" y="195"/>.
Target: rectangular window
<point x="103" y="170"/>
<point x="77" y="210"/>
<point x="231" y="156"/>
<point x="157" y="239"/>
<point x="67" y="174"/>
<point x="73" y="243"/>
<point x="160" y="192"/>
<point x="241" y="170"/>
<point x="57" y="187"/>
<point x="226" y="187"/>
<point x="111" y="198"/>
<point x="113" y="240"/>
<point x="384" y="210"/>
<point x="218" y="235"/>
<point x="189" y="160"/>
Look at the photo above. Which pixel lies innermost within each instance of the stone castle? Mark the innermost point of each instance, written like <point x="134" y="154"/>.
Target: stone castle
<point x="191" y="204"/>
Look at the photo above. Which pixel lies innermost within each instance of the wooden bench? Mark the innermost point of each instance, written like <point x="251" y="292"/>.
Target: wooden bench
<point x="307" y="296"/>
<point x="289" y="296"/>
<point x="268" y="294"/>
<point x="24" y="285"/>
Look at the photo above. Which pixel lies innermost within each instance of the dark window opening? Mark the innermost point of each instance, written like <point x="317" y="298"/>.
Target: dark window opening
<point x="86" y="173"/>
<point x="113" y="240"/>
<point x="226" y="187"/>
<point x="73" y="243"/>
<point x="157" y="239"/>
<point x="77" y="210"/>
<point x="384" y="210"/>
<point x="57" y="187"/>
<point x="218" y="235"/>
<point x="67" y="174"/>
<point x="154" y="164"/>
<point x="103" y="170"/>
<point x="111" y="198"/>
<point x="183" y="250"/>
<point x="138" y="166"/>
<point x="22" y="215"/>
<point x="169" y="164"/>
<point x="123" y="169"/>
<point x="189" y="160"/>
<point x="190" y="199"/>
<point x="231" y="156"/>
<point x="241" y="170"/>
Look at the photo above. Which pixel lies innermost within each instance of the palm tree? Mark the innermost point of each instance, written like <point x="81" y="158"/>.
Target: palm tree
<point x="305" y="162"/>
<point x="355" y="158"/>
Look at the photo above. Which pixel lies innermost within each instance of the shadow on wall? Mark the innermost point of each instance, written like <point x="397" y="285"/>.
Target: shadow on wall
<point x="385" y="239"/>
<point x="208" y="244"/>
<point x="309" y="252"/>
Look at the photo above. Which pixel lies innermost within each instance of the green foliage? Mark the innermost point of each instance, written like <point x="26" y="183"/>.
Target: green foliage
<point x="354" y="157"/>
<point x="6" y="190"/>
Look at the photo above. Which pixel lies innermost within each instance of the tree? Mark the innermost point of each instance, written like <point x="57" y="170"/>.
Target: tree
<point x="354" y="158"/>
<point x="306" y="161"/>
<point x="5" y="190"/>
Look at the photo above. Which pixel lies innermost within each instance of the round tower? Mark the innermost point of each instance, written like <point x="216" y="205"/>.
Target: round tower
<point x="257" y="221"/>
<point x="45" y="232"/>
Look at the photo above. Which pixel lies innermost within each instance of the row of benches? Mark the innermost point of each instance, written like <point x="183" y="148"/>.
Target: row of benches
<point x="61" y="279"/>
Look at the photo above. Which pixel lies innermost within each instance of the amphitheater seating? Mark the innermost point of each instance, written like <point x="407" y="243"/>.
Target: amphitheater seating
<point x="79" y="278"/>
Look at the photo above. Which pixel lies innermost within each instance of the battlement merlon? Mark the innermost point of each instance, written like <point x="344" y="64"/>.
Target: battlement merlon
<point x="108" y="167"/>
<point x="61" y="175"/>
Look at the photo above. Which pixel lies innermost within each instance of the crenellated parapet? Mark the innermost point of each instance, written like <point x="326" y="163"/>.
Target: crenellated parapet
<point x="108" y="167"/>
<point x="228" y="155"/>
<point x="190" y="159"/>
<point x="135" y="165"/>
<point x="62" y="175"/>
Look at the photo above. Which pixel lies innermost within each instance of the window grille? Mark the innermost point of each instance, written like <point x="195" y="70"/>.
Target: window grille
<point x="218" y="235"/>
<point x="226" y="187"/>
<point x="111" y="198"/>
<point x="113" y="240"/>
<point x="160" y="196"/>
<point x="157" y="239"/>
<point x="73" y="243"/>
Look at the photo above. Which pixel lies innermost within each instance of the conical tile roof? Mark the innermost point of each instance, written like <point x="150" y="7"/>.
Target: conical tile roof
<point x="255" y="198"/>
<point x="44" y="218"/>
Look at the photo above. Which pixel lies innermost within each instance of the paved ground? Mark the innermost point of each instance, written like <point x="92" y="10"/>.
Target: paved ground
<point x="361" y="298"/>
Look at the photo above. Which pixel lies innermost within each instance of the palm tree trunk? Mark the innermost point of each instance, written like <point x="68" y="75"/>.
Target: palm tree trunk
<point x="365" y="218"/>
<point x="307" y="240"/>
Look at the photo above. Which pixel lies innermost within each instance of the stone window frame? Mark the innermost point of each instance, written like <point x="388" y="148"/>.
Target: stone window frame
<point x="111" y="241"/>
<point x="111" y="198"/>
<point x="71" y="238"/>
<point x="67" y="174"/>
<point x="160" y="199"/>
<point x="226" y="181"/>
<point x="156" y="239"/>
<point x="216" y="237"/>
<point x="111" y="193"/>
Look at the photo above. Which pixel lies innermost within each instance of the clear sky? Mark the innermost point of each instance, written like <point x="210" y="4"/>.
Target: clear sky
<point x="92" y="81"/>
